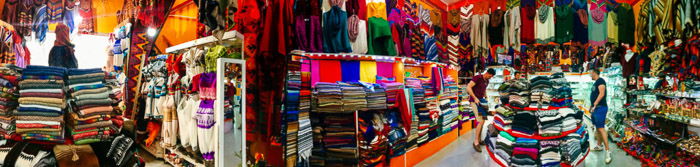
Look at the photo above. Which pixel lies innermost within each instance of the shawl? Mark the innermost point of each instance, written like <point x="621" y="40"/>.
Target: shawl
<point x="92" y="125"/>
<point x="40" y="91"/>
<point x="335" y="31"/>
<point x="91" y="91"/>
<point x="84" y="76"/>
<point x="93" y="102"/>
<point x="40" y="118"/>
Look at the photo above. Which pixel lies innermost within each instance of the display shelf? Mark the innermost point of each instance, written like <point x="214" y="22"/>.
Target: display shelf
<point x="690" y="121"/>
<point x="493" y="157"/>
<point x="645" y="161"/>
<point x="652" y="134"/>
<point x="231" y="35"/>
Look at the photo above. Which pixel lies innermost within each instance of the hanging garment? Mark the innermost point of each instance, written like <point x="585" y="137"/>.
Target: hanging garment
<point x="9" y="11"/>
<point x="307" y="30"/>
<point x="335" y="31"/>
<point x="626" y="23"/>
<point x="359" y="46"/>
<point x="612" y="27"/>
<point x="597" y="24"/>
<point x="512" y="27"/>
<point x="496" y="27"/>
<point x="26" y="11"/>
<point x="55" y="10"/>
<point x="544" y="24"/>
<point x="85" y="11"/>
<point x="580" y="27"/>
<point x="528" y="11"/>
<point x="380" y="41"/>
<point x="376" y="9"/>
<point x="400" y="32"/>
<point x="466" y="21"/>
<point x="479" y="33"/>
<point x="565" y="21"/>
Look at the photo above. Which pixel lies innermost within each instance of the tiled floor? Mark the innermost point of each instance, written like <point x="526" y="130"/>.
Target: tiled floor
<point x="461" y="153"/>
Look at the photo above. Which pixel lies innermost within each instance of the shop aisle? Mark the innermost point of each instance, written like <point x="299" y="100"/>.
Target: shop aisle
<point x="461" y="153"/>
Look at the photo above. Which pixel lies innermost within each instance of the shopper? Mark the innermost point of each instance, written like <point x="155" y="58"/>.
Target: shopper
<point x="598" y="111"/>
<point x="62" y="53"/>
<point x="477" y="93"/>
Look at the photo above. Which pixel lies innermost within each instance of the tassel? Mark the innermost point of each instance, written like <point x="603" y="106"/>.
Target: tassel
<point x="75" y="154"/>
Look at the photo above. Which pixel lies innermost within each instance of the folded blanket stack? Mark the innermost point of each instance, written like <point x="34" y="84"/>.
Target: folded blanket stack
<point x="376" y="97"/>
<point x="549" y="153"/>
<point x="354" y="97"/>
<point x="304" y="135"/>
<point x="291" y="113"/>
<point x="504" y="146"/>
<point x="41" y="104"/>
<point x="392" y="89"/>
<point x="329" y="97"/>
<point x="90" y="119"/>
<point x="115" y="85"/>
<point x="339" y="139"/>
<point x="418" y="94"/>
<point x="9" y="93"/>
<point x="427" y="86"/>
<point x="373" y="141"/>
<point x="418" y="91"/>
<point x="525" y="152"/>
<point x="449" y="107"/>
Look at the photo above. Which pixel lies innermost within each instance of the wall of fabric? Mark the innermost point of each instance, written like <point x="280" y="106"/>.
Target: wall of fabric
<point x="368" y="71"/>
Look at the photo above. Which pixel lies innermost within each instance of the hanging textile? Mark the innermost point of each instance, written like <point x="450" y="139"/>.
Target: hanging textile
<point x="368" y="71"/>
<point x="85" y="10"/>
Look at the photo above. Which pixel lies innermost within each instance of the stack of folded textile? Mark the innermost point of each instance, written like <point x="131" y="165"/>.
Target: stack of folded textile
<point x="354" y="97"/>
<point x="550" y="122"/>
<point x="525" y="152"/>
<point x="465" y="110"/>
<point x="392" y="89"/>
<point x="92" y="108"/>
<point x="448" y="115"/>
<point x="524" y="122"/>
<point x="418" y="91"/>
<point x="549" y="153"/>
<point x="571" y="147"/>
<point x="540" y="90"/>
<point x="397" y="136"/>
<point x="418" y="95"/>
<point x="503" y="118"/>
<point x="569" y="121"/>
<point x="427" y="86"/>
<point x="373" y="142"/>
<point x="329" y="97"/>
<point x="41" y="104"/>
<point x="291" y="112"/>
<point x="376" y="98"/>
<point x="339" y="139"/>
<point x="424" y="120"/>
<point x="304" y="135"/>
<point x="504" y="146"/>
<point x="9" y="93"/>
<point x="433" y="106"/>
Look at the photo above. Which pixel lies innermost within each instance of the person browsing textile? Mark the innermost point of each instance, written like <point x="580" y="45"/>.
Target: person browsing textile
<point x="477" y="93"/>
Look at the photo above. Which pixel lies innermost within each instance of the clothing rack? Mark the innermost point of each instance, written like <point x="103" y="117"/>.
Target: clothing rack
<point x="230" y="35"/>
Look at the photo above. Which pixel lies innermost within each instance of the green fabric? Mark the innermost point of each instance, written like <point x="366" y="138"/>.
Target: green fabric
<point x="85" y="80"/>
<point x="507" y="136"/>
<point x="94" y="102"/>
<point x="380" y="41"/>
<point x="41" y="86"/>
<point x="564" y="24"/>
<point x="613" y="27"/>
<point x="84" y="76"/>
<point x="214" y="53"/>
<point x="86" y="141"/>
<point x="103" y="95"/>
<point x="625" y="18"/>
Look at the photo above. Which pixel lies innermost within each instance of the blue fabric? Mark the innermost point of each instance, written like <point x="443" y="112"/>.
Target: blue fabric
<point x="335" y="31"/>
<point x="482" y="111"/>
<point x="350" y="70"/>
<point x="84" y="71"/>
<point x="29" y="109"/>
<point x="598" y="116"/>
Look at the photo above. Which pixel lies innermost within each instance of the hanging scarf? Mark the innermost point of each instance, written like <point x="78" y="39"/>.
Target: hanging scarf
<point x="543" y="13"/>
<point x="353" y="27"/>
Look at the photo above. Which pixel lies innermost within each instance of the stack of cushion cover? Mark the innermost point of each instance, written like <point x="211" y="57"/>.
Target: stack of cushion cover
<point x="9" y="93"/>
<point x="373" y="141"/>
<point x="376" y="97"/>
<point x="525" y="152"/>
<point x="550" y="122"/>
<point x="329" y="97"/>
<point x="41" y="104"/>
<point x="549" y="153"/>
<point x="504" y="146"/>
<point x="354" y="97"/>
<point x="339" y="139"/>
<point x="90" y="120"/>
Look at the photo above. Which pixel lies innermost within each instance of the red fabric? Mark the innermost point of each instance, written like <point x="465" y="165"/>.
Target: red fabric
<point x="331" y="71"/>
<point x="405" y="110"/>
<point x="527" y="28"/>
<point x="175" y="65"/>
<point x="195" y="83"/>
<point x="37" y="125"/>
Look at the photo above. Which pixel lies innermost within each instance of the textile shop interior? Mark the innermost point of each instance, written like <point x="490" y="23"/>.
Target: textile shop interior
<point x="349" y="82"/>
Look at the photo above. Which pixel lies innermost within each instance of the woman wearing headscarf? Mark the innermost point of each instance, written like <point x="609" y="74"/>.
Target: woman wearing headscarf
<point x="61" y="54"/>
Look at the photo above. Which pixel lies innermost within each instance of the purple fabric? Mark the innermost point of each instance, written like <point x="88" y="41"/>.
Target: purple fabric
<point x="308" y="29"/>
<point x="385" y="69"/>
<point x="205" y="114"/>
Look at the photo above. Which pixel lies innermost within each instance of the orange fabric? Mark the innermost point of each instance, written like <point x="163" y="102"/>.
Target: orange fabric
<point x="415" y="71"/>
<point x="428" y="70"/>
<point x="399" y="72"/>
<point x="62" y="36"/>
<point x="105" y="13"/>
<point x="180" y="27"/>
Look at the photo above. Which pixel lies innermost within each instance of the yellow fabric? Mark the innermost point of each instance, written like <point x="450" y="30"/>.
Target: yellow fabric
<point x="105" y="15"/>
<point x="376" y="9"/>
<point x="368" y="71"/>
<point x="399" y="71"/>
<point x="612" y="27"/>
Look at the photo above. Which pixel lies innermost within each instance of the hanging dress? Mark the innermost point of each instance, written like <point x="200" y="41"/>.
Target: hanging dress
<point x="597" y="24"/>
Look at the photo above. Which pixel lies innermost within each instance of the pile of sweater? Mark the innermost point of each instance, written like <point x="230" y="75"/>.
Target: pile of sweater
<point x="525" y="152"/>
<point x="91" y="108"/>
<point x="504" y="146"/>
<point x="414" y="85"/>
<point x="329" y="97"/>
<point x="433" y="106"/>
<point x="550" y="122"/>
<point x="90" y="119"/>
<point x="41" y="104"/>
<point x="398" y="137"/>
<point x="424" y="120"/>
<point x="540" y="92"/>
<point x="549" y="153"/>
<point x="503" y="118"/>
<point x="449" y="107"/>
<point x="9" y="75"/>
<point x="354" y="97"/>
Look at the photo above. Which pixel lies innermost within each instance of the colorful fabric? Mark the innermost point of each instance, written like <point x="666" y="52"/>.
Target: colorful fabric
<point x="368" y="71"/>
